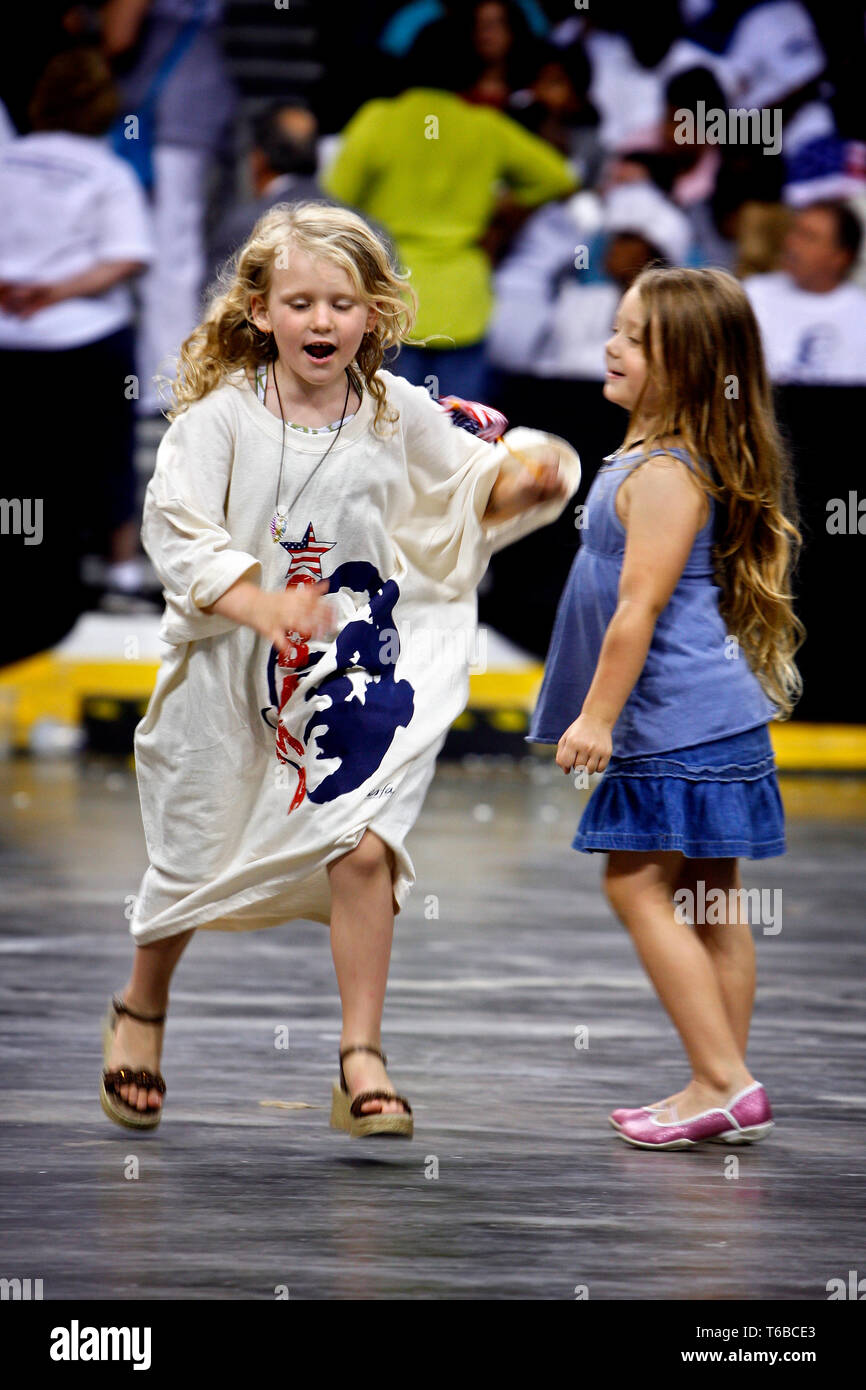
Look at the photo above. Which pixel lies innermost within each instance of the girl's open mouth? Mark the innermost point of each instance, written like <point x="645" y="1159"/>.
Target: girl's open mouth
<point x="320" y="351"/>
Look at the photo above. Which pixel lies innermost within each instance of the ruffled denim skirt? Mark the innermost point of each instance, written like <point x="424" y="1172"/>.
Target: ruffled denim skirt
<point x="716" y="800"/>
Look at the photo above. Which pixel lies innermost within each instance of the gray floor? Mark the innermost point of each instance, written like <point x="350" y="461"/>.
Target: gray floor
<point x="535" y="1196"/>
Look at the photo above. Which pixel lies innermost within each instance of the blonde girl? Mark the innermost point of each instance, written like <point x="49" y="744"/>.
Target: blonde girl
<point x="291" y="737"/>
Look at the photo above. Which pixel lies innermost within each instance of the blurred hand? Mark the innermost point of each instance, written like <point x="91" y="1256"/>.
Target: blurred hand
<point x="538" y="480"/>
<point x="24" y="300"/>
<point x="303" y="610"/>
<point x="121" y="23"/>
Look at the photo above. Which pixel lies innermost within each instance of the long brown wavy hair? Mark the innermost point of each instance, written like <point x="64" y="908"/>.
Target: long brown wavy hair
<point x="227" y="339"/>
<point x="708" y="382"/>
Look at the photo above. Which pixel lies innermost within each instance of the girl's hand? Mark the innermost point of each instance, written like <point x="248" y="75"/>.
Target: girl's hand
<point x="302" y="610"/>
<point x="538" y="480"/>
<point x="585" y="743"/>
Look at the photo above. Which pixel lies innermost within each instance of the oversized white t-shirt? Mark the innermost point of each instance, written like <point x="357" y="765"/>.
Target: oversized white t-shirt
<point x="810" y="338"/>
<point x="68" y="203"/>
<point x="254" y="774"/>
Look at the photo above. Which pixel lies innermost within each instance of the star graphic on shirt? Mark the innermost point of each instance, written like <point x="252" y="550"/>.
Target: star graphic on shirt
<point x="305" y="555"/>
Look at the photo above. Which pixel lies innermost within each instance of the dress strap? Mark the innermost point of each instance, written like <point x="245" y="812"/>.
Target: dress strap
<point x="261" y="380"/>
<point x="677" y="451"/>
<point x="674" y="449"/>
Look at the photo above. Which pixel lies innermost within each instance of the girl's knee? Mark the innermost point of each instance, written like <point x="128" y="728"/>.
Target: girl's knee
<point x="634" y="889"/>
<point x="369" y="855"/>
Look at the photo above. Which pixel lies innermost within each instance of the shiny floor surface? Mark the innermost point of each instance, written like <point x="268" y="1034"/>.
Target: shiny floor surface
<point x="517" y="1017"/>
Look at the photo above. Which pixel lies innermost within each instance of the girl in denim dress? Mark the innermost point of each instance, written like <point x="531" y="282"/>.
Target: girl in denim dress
<point x="672" y="649"/>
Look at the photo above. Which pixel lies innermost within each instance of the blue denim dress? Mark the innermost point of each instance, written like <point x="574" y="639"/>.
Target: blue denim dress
<point x="692" y="767"/>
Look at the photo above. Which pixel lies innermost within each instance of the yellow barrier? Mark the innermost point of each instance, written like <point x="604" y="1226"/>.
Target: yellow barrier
<point x="49" y="686"/>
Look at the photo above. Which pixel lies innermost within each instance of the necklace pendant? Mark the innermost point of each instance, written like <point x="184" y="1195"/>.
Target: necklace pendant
<point x="278" y="524"/>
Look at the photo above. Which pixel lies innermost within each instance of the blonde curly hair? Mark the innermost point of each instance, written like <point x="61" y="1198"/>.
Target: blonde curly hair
<point x="227" y="339"/>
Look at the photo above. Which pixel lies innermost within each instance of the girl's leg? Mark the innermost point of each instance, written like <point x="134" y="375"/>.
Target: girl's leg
<point x="140" y="1044"/>
<point x="730" y="946"/>
<point x="640" y="889"/>
<point x="362" y="929"/>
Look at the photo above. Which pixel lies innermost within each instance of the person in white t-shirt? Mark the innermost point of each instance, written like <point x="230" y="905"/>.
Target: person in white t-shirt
<point x="75" y="227"/>
<point x="554" y="308"/>
<point x="73" y="235"/>
<point x="812" y="318"/>
<point x="776" y="60"/>
<point x="169" y="52"/>
<point x="774" y="51"/>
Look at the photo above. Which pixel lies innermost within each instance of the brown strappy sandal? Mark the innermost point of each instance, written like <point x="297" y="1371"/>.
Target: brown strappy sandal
<point x="347" y="1115"/>
<point x="115" y="1107"/>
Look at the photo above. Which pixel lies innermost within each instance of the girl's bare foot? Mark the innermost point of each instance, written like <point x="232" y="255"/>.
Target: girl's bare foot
<point x="364" y="1072"/>
<point x="137" y="1046"/>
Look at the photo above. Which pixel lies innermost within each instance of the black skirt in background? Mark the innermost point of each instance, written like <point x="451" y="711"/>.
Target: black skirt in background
<point x="68" y="443"/>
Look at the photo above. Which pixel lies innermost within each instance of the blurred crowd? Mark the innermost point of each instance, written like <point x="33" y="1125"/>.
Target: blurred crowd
<point x="524" y="158"/>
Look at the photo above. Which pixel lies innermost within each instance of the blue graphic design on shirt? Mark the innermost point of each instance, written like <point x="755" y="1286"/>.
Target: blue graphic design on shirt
<point x="815" y="348"/>
<point x="367" y="704"/>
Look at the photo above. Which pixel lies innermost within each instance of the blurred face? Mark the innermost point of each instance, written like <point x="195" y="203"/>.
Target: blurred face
<point x="297" y="124"/>
<point x="625" y="256"/>
<point x="316" y="316"/>
<point x="811" y="254"/>
<point x="626" y="364"/>
<point x="492" y="35"/>
<point x="553" y="88"/>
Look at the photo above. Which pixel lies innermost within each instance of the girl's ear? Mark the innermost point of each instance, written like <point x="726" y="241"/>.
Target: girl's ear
<point x="372" y="318"/>
<point x="259" y="314"/>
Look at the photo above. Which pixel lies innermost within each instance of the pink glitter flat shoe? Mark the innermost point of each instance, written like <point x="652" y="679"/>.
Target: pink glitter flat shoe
<point x="618" y="1117"/>
<point x="746" y="1118"/>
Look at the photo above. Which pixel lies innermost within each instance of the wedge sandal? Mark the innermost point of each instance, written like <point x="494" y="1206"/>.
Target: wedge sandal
<point x="111" y="1080"/>
<point x="346" y="1113"/>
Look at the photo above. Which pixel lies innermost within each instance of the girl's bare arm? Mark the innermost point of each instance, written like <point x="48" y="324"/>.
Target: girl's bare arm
<point x="302" y="609"/>
<point x="664" y="511"/>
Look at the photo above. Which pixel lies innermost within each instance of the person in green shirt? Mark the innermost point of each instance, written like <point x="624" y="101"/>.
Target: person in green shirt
<point x="432" y="170"/>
